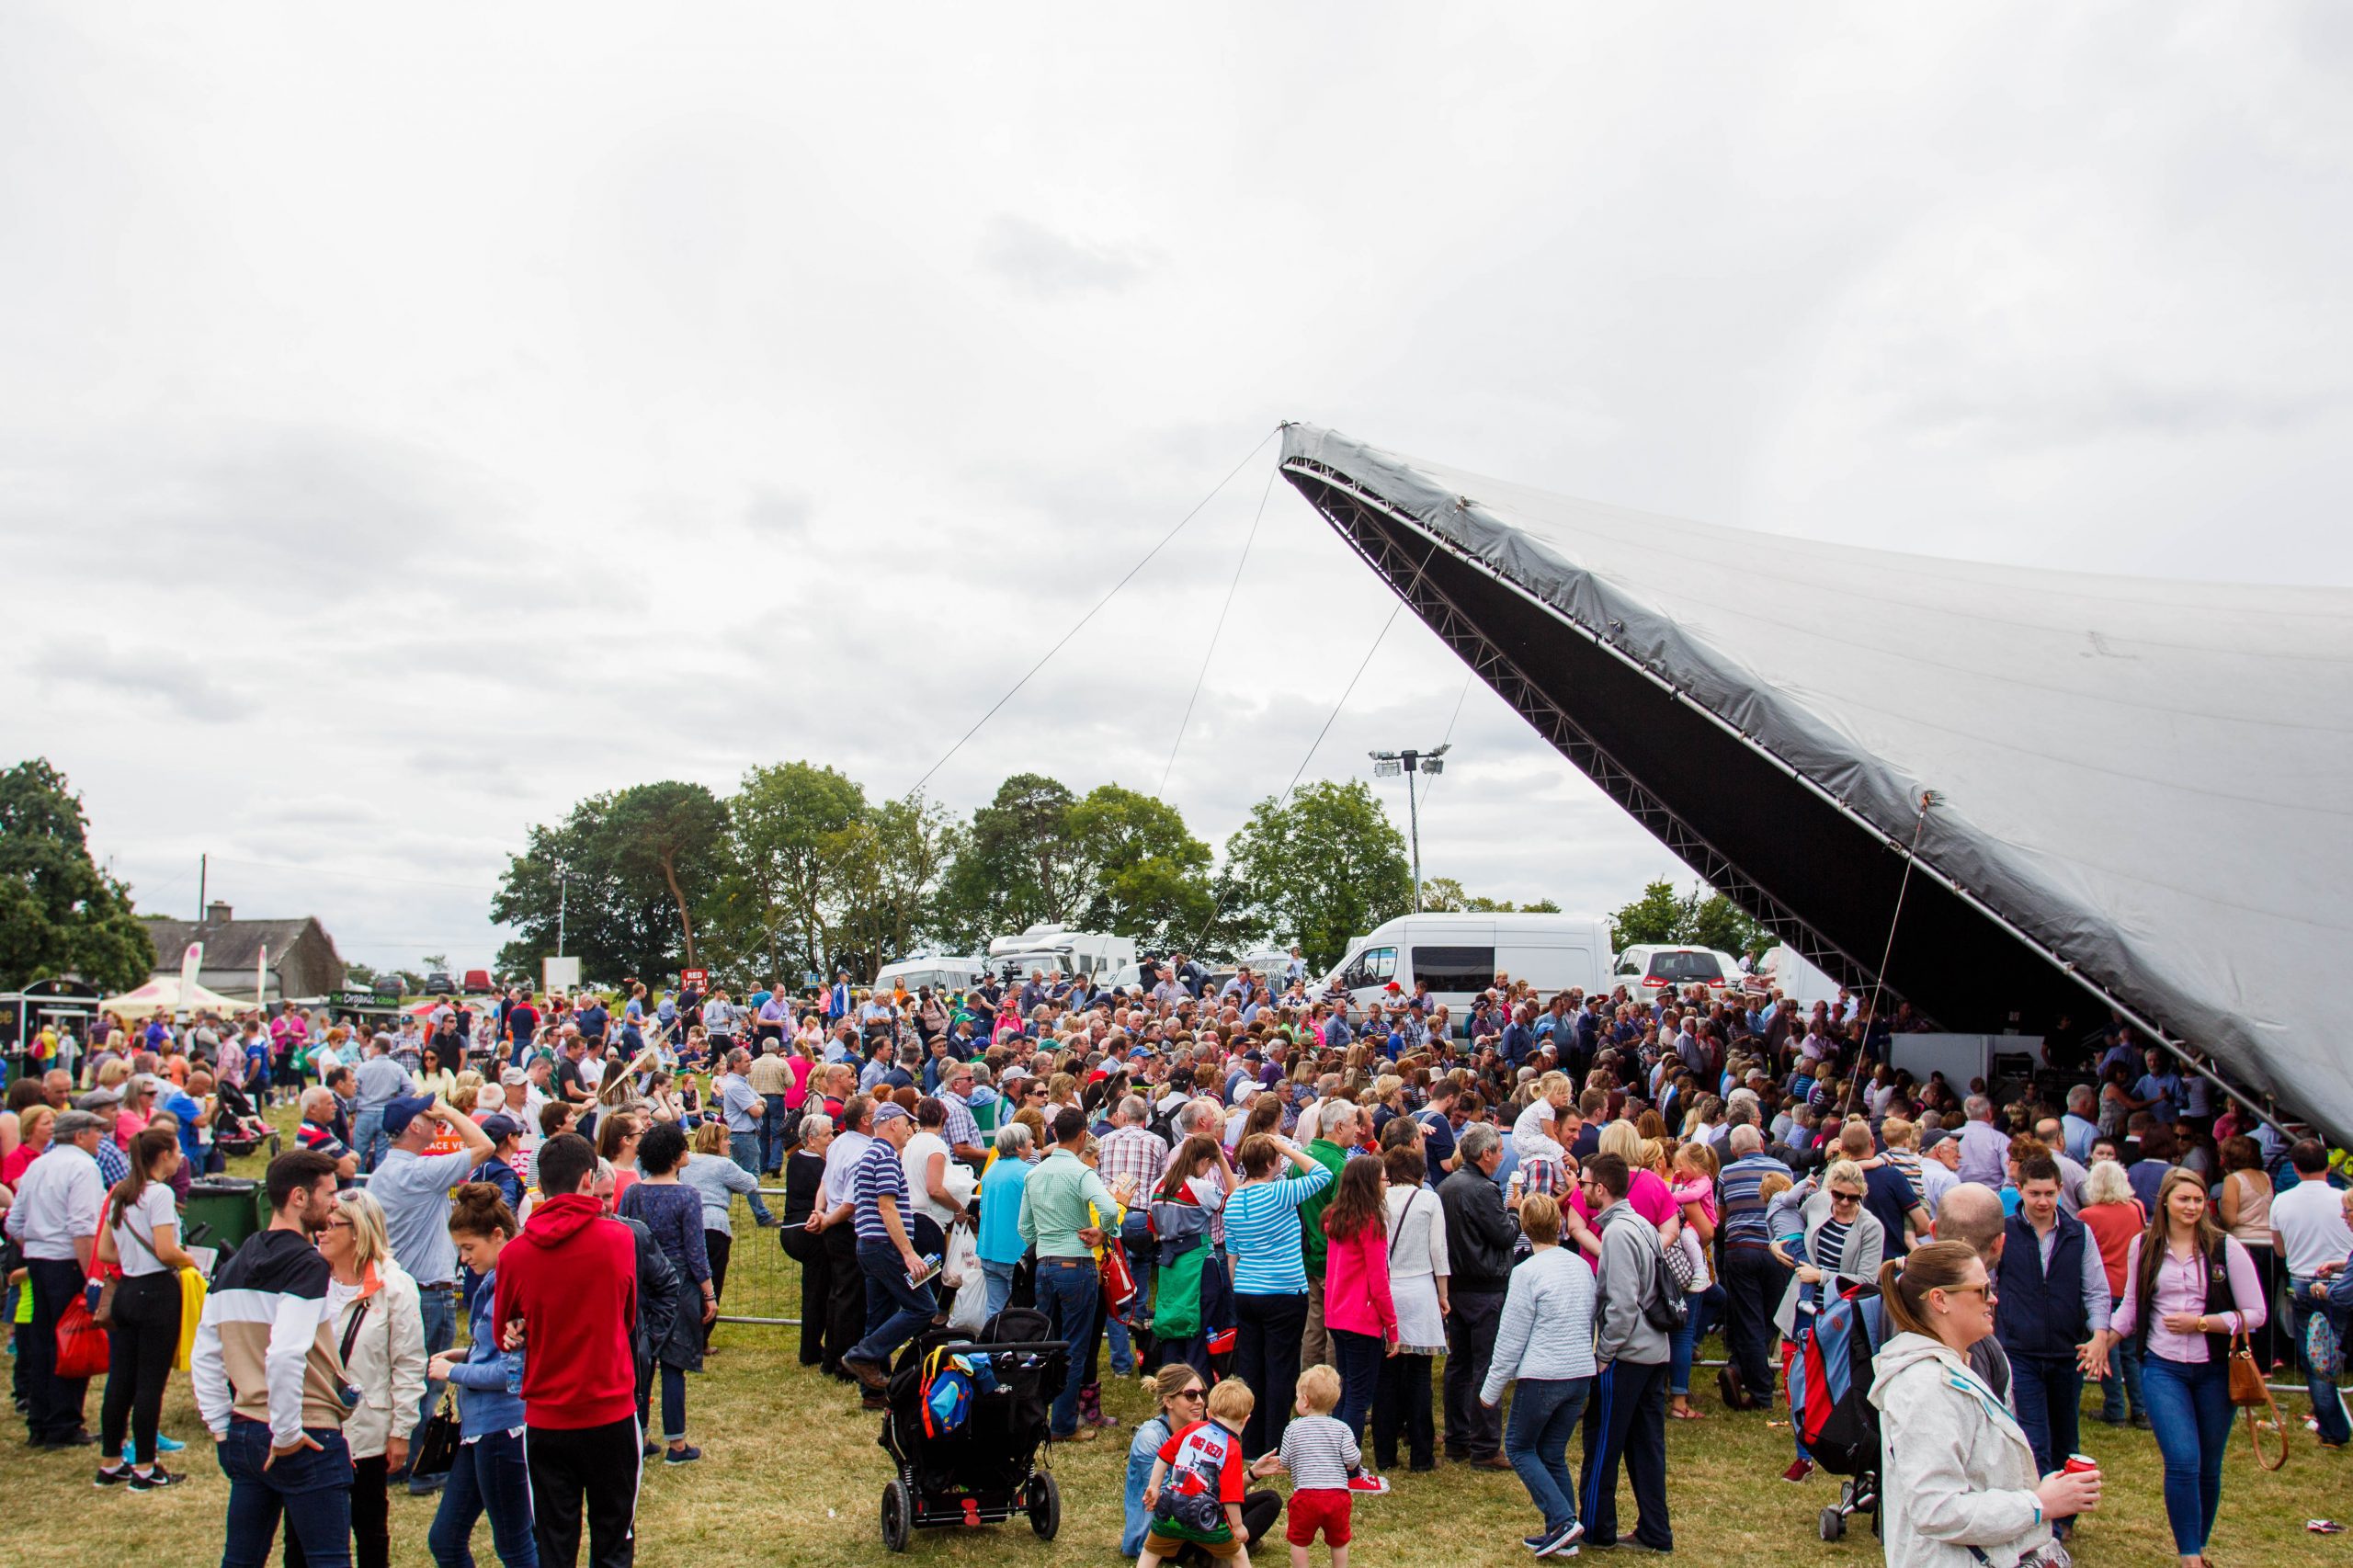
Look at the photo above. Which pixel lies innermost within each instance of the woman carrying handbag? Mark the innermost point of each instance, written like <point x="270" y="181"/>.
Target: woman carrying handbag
<point x="380" y="1327"/>
<point x="142" y="1310"/>
<point x="2190" y="1290"/>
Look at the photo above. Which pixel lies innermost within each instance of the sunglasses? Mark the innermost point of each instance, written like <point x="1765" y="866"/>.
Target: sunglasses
<point x="1846" y="1197"/>
<point x="1986" y="1289"/>
<point x="1192" y="1393"/>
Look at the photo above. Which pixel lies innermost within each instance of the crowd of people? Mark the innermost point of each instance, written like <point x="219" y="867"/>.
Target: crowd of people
<point x="1280" y="1210"/>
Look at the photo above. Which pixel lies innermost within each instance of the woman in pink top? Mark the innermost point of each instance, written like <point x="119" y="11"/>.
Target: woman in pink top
<point x="1357" y="1309"/>
<point x="2189" y="1288"/>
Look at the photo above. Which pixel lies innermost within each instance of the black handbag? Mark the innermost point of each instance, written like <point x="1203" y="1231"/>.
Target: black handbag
<point x="437" y="1450"/>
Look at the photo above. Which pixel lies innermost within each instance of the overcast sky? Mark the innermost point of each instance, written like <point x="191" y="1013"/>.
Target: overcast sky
<point x="414" y="419"/>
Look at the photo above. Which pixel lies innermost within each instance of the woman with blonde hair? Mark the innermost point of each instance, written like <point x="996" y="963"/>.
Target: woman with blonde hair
<point x="2114" y="1217"/>
<point x="380" y="1327"/>
<point x="1957" y="1473"/>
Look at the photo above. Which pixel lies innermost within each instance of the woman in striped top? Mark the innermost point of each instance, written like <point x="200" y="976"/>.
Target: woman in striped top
<point x="1262" y="1239"/>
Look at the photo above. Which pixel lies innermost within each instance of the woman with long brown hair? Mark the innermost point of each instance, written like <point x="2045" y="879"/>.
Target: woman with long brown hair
<point x="141" y="1234"/>
<point x="1359" y="1311"/>
<point x="2189" y="1288"/>
<point x="1958" y="1475"/>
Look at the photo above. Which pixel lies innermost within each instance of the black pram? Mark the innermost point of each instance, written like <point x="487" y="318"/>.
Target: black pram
<point x="967" y="1443"/>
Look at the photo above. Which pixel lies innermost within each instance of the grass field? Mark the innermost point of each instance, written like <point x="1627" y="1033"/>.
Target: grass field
<point x="794" y="1476"/>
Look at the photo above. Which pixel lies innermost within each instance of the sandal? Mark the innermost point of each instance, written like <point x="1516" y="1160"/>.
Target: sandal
<point x="1687" y="1414"/>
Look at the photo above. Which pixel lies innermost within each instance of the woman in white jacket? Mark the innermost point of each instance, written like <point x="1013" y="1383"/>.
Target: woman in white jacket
<point x="379" y="1328"/>
<point x="1957" y="1476"/>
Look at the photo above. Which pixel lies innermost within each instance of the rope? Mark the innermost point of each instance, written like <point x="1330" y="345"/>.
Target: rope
<point x="1090" y="615"/>
<point x="1226" y="883"/>
<point x="1212" y="651"/>
<point x="1879" y="980"/>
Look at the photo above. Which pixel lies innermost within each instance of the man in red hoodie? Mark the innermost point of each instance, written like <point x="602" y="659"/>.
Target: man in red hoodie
<point x="567" y="1295"/>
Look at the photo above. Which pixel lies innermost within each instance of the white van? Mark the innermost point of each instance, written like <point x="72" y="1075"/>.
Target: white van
<point x="1651" y="970"/>
<point x="1458" y="956"/>
<point x="1799" y="980"/>
<point x="941" y="972"/>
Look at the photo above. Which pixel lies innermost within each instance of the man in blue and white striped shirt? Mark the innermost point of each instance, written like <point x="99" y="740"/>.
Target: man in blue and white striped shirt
<point x="885" y="1253"/>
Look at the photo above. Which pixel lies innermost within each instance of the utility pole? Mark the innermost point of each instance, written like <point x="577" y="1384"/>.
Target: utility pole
<point x="1388" y="764"/>
<point x="201" y="865"/>
<point x="562" y="891"/>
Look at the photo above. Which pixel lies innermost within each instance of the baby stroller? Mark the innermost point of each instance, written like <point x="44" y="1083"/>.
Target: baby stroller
<point x="238" y="1129"/>
<point x="965" y="1422"/>
<point x="1830" y="1381"/>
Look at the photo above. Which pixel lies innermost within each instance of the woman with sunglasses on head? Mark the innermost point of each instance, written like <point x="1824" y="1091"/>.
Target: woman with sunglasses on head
<point x="1841" y="1243"/>
<point x="2187" y="1289"/>
<point x="1958" y="1475"/>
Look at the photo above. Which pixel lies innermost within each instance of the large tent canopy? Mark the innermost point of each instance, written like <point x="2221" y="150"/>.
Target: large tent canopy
<point x="2113" y="793"/>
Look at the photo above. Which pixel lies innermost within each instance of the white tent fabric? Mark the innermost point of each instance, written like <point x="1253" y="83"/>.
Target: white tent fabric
<point x="163" y="994"/>
<point x="2152" y="780"/>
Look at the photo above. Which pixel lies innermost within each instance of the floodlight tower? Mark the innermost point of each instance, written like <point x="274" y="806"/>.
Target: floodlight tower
<point x="1388" y="764"/>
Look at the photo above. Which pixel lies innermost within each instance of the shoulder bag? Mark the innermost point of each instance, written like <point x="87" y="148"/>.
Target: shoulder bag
<point x="2249" y="1393"/>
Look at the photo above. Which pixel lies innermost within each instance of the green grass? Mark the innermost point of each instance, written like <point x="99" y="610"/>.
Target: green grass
<point x="792" y="1475"/>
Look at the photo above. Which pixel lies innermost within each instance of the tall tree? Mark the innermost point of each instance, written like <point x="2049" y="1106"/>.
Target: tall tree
<point x="1328" y="866"/>
<point x="59" y="912"/>
<point x="674" y="830"/>
<point x="593" y="875"/>
<point x="891" y="863"/>
<point x="1700" y="918"/>
<point x="789" y="837"/>
<point x="1017" y="866"/>
<point x="1141" y="873"/>
<point x="1654" y="917"/>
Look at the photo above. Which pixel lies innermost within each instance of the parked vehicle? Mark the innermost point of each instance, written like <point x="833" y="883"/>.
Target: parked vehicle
<point x="1055" y="947"/>
<point x="477" y="981"/>
<point x="941" y="972"/>
<point x="438" y="984"/>
<point x="1458" y="956"/>
<point x="1650" y="969"/>
<point x="1798" y="980"/>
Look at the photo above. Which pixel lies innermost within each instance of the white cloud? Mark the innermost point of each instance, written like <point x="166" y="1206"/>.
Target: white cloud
<point x="666" y="393"/>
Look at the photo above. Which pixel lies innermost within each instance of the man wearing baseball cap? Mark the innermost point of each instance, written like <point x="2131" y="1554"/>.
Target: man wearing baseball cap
<point x="55" y="1220"/>
<point x="413" y="1187"/>
<point x="896" y="1309"/>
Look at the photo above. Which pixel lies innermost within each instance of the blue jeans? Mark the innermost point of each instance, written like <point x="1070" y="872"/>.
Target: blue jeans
<point x="896" y="1310"/>
<point x="1356" y="1358"/>
<point x="439" y="1307"/>
<point x="2122" y="1385"/>
<point x="311" y="1487"/>
<point x="1705" y="1307"/>
<point x="743" y="1148"/>
<point x="673" y="1401"/>
<point x="2328" y="1401"/>
<point x="489" y="1477"/>
<point x="2190" y="1405"/>
<point x="772" y="1136"/>
<point x="1069" y="1291"/>
<point x="998" y="1285"/>
<point x="367" y="1140"/>
<point x="1544" y="1412"/>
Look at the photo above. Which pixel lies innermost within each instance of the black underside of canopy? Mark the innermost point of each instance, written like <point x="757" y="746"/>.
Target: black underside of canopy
<point x="1823" y="882"/>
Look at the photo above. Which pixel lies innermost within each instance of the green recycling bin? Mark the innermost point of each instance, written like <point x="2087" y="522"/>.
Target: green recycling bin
<point x="221" y="1211"/>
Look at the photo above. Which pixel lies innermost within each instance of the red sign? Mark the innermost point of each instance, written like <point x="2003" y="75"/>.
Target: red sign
<point x="694" y="980"/>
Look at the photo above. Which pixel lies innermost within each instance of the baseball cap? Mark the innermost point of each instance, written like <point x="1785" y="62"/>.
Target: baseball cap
<point x="889" y="1110"/>
<point x="402" y="1111"/>
<point x="513" y="1075"/>
<point x="74" y="1123"/>
<point x="498" y="1128"/>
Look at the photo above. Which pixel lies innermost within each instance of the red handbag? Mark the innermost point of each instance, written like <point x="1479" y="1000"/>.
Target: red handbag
<point x="1117" y="1280"/>
<point x="82" y="1345"/>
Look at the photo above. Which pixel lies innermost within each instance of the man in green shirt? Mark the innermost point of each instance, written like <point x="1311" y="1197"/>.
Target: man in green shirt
<point x="1335" y="1132"/>
<point x="1060" y="1200"/>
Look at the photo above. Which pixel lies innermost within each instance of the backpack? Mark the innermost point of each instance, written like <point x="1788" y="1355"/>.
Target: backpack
<point x="1188" y="1494"/>
<point x="1830" y="1380"/>
<point x="1663" y="1305"/>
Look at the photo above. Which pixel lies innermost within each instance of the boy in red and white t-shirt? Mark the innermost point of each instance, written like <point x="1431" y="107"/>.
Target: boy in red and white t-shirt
<point x="1320" y="1454"/>
<point x="1195" y="1492"/>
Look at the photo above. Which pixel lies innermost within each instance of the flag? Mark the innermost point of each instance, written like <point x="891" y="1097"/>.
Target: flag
<point x="191" y="963"/>
<point x="261" y="976"/>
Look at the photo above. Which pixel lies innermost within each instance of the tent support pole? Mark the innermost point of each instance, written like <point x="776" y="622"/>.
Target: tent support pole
<point x="1470" y="643"/>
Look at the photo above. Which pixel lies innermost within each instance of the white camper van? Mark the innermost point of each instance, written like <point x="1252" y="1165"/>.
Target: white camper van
<point x="1058" y="946"/>
<point x="1459" y="956"/>
<point x="941" y="972"/>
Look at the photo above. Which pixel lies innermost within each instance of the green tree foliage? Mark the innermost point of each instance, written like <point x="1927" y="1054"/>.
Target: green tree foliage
<point x="633" y="872"/>
<point x="1018" y="865"/>
<point x="790" y="842"/>
<point x="1702" y="917"/>
<point x="1141" y="873"/>
<point x="59" y="912"/>
<point x="891" y="862"/>
<point x="1444" y="896"/>
<point x="1326" y="867"/>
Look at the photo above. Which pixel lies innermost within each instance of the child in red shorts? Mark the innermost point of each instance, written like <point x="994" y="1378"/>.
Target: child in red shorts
<point x="1320" y="1453"/>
